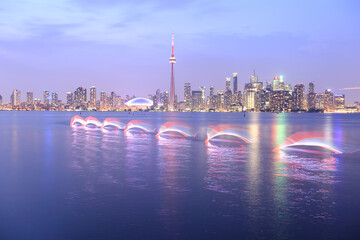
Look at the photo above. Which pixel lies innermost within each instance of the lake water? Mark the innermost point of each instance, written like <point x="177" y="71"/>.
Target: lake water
<point x="205" y="176"/>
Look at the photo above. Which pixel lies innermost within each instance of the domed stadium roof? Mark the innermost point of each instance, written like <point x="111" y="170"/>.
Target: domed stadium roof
<point x="143" y="102"/>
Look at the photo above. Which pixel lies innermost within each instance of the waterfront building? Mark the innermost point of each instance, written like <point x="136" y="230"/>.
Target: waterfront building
<point x="29" y="98"/>
<point x="54" y="99"/>
<point x="119" y="103"/>
<point x="155" y="101"/>
<point x="320" y="101"/>
<point x="227" y="84"/>
<point x="165" y="100"/>
<point x="260" y="100"/>
<point x="249" y="97"/>
<point x="15" y="98"/>
<point x="328" y="100"/>
<point x="196" y="100"/>
<point x="92" y="97"/>
<point x="46" y="98"/>
<point x="112" y="101"/>
<point x="237" y="98"/>
<point x="280" y="101"/>
<point x="227" y="99"/>
<point x="80" y="97"/>
<point x="339" y="101"/>
<point x="37" y="102"/>
<point x="187" y="95"/>
<point x="158" y="95"/>
<point x="235" y="82"/>
<point x="298" y="97"/>
<point x="220" y="100"/>
<point x="103" y="100"/>
<point x="203" y="98"/>
<point x="69" y="98"/>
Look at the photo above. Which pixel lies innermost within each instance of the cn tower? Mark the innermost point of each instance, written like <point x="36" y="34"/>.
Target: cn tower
<point x="172" y="61"/>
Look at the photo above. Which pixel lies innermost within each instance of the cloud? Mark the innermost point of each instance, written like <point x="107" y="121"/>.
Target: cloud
<point x="133" y="22"/>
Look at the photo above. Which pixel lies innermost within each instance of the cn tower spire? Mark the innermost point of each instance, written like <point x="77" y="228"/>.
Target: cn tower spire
<point x="172" y="61"/>
<point x="172" y="46"/>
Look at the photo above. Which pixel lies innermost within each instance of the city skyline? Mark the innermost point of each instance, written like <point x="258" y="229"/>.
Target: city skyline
<point x="275" y="96"/>
<point x="301" y="40"/>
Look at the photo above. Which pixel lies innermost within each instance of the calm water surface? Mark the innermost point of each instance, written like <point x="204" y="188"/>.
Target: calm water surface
<point x="62" y="182"/>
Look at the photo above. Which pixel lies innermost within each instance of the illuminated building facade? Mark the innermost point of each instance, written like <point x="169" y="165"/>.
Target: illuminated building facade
<point x="92" y="97"/>
<point x="298" y="97"/>
<point x="187" y="95"/>
<point x="80" y="97"/>
<point x="196" y="100"/>
<point x="15" y="98"/>
<point x="69" y="98"/>
<point x="54" y="99"/>
<point x="103" y="105"/>
<point x="328" y="100"/>
<point x="46" y="98"/>
<point x="235" y="82"/>
<point x="29" y="98"/>
<point x="280" y="101"/>
<point x="227" y="84"/>
<point x="339" y="101"/>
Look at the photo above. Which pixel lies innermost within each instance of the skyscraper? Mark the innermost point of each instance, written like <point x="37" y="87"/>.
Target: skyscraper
<point x="93" y="97"/>
<point x="172" y="61"/>
<point x="158" y="95"/>
<point x="299" y="97"/>
<point x="187" y="95"/>
<point x="227" y="84"/>
<point x="54" y="99"/>
<point x="103" y="100"/>
<point x="113" y="101"/>
<point x="212" y="91"/>
<point x="339" y="101"/>
<point x="311" y="88"/>
<point x="15" y="98"/>
<point x="46" y="98"/>
<point x="165" y="100"/>
<point x="80" y="97"/>
<point x="254" y="78"/>
<point x="29" y="98"/>
<point x="196" y="100"/>
<point x="235" y="82"/>
<point x="311" y="96"/>
<point x="203" y="97"/>
<point x="69" y="98"/>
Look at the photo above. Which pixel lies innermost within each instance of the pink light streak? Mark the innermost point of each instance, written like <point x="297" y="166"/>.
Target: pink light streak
<point x="315" y="139"/>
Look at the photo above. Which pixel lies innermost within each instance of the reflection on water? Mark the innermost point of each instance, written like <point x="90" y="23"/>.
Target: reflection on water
<point x="226" y="167"/>
<point x="185" y="176"/>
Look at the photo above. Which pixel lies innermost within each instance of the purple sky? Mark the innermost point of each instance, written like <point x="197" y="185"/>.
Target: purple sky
<point x="124" y="46"/>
